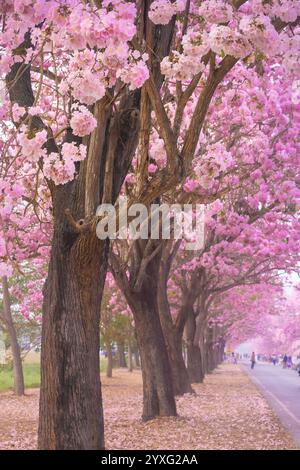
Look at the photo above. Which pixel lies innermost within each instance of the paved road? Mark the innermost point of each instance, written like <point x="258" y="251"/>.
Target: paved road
<point x="281" y="388"/>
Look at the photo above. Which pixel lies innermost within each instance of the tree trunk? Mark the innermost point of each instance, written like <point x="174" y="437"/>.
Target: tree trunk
<point x="157" y="378"/>
<point x="209" y="351"/>
<point x="15" y="348"/>
<point x="137" y="358"/>
<point x="70" y="415"/>
<point x="194" y="364"/>
<point x="180" y="377"/>
<point x="109" y="366"/>
<point x="194" y="359"/>
<point x="140" y="291"/>
<point x="219" y="354"/>
<point x="121" y="354"/>
<point x="130" y="363"/>
<point x="221" y="351"/>
<point x="173" y="338"/>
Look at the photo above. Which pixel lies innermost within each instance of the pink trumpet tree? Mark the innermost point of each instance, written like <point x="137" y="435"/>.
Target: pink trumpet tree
<point x="100" y="95"/>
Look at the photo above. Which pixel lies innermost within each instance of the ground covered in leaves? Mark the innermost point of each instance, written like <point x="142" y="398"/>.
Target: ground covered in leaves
<point x="226" y="412"/>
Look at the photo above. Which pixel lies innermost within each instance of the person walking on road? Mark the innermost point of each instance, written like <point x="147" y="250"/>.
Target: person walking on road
<point x="298" y="368"/>
<point x="284" y="361"/>
<point x="253" y="360"/>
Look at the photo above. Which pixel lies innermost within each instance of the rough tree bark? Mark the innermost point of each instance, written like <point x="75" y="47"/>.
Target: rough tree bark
<point x="158" y="395"/>
<point x="15" y="348"/>
<point x="70" y="402"/>
<point x="180" y="377"/>
<point x="137" y="358"/>
<point x="187" y="323"/>
<point x="194" y="359"/>
<point x="209" y="350"/>
<point x="109" y="366"/>
<point x="221" y="350"/>
<point x="121" y="354"/>
<point x="130" y="361"/>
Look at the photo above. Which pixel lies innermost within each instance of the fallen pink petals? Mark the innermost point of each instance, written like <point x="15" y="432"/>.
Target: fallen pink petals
<point x="226" y="412"/>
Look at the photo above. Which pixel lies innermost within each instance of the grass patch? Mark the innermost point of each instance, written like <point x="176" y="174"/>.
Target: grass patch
<point x="31" y="375"/>
<point x="103" y="364"/>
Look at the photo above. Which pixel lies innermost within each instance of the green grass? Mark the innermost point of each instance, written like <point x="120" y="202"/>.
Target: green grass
<point x="31" y="375"/>
<point x="103" y="364"/>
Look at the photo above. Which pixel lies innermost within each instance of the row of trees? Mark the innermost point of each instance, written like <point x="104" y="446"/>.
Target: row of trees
<point x="161" y="101"/>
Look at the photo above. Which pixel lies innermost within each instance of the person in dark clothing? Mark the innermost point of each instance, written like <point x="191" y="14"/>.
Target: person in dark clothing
<point x="284" y="361"/>
<point x="253" y="360"/>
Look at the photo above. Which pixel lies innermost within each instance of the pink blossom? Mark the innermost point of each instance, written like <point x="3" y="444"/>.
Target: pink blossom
<point x="83" y="122"/>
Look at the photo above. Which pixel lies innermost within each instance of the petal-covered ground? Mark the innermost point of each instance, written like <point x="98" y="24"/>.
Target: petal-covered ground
<point x="227" y="412"/>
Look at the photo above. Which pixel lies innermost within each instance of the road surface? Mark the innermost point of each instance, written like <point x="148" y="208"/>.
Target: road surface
<point x="281" y="387"/>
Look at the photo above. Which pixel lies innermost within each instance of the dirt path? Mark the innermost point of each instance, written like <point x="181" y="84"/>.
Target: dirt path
<point x="227" y="412"/>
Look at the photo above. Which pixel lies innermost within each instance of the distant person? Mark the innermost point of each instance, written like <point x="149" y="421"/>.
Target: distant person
<point x="253" y="360"/>
<point x="274" y="360"/>
<point x="284" y="361"/>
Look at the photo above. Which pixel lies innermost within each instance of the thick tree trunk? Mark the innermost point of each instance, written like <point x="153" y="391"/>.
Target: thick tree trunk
<point x="15" y="348"/>
<point x="219" y="354"/>
<point x="180" y="377"/>
<point x="109" y="366"/>
<point x="221" y="351"/>
<point x="70" y="415"/>
<point x="157" y="378"/>
<point x="209" y="351"/>
<point x="137" y="358"/>
<point x="130" y="362"/>
<point x="194" y="364"/>
<point x="140" y="291"/>
<point x="194" y="359"/>
<point x="121" y="354"/>
<point x="173" y="338"/>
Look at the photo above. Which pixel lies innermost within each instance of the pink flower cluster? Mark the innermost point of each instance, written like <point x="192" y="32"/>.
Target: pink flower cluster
<point x="17" y="112"/>
<point x="82" y="122"/>
<point x="216" y="11"/>
<point x="183" y="66"/>
<point x="61" y="168"/>
<point x="135" y="73"/>
<point x="223" y="39"/>
<point x="86" y="86"/>
<point x="286" y="10"/>
<point x="161" y="11"/>
<point x="190" y="185"/>
<point x="5" y="269"/>
<point x="260" y="32"/>
<point x="31" y="146"/>
<point x="290" y="47"/>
